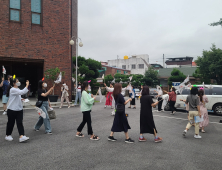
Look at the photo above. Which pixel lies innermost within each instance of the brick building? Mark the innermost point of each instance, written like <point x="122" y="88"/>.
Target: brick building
<point x="34" y="36"/>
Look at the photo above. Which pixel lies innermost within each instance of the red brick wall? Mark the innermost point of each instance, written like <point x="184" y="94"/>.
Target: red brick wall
<point x="113" y="71"/>
<point x="49" y="42"/>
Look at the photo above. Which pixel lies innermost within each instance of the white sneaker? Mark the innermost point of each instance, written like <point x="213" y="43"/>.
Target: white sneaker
<point x="105" y="107"/>
<point x="9" y="138"/>
<point x="23" y="139"/>
<point x="197" y="137"/>
<point x="174" y="112"/>
<point x="4" y="113"/>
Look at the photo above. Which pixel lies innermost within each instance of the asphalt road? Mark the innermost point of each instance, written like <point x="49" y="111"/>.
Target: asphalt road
<point x="63" y="151"/>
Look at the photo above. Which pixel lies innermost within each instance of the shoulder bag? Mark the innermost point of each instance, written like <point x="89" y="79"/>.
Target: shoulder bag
<point x="120" y="107"/>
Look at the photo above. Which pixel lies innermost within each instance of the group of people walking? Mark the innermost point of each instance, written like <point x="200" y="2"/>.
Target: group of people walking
<point x="120" y="124"/>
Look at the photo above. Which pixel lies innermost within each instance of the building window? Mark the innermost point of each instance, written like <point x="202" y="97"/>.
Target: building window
<point x="133" y="66"/>
<point x="141" y="66"/>
<point x="123" y="66"/>
<point x="125" y="72"/>
<point x="15" y="10"/>
<point x="118" y="71"/>
<point x="36" y="8"/>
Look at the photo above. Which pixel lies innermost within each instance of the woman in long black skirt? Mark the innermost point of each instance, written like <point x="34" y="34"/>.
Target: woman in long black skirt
<point x="147" y="124"/>
<point x="120" y="123"/>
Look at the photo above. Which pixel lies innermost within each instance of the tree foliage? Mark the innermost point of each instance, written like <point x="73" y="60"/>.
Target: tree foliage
<point x="210" y="64"/>
<point x="216" y="23"/>
<point x="87" y="67"/>
<point x="150" y="78"/>
<point x="176" y="76"/>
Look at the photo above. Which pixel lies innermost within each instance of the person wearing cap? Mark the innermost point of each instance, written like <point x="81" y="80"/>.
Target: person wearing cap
<point x="65" y="95"/>
<point x="4" y="84"/>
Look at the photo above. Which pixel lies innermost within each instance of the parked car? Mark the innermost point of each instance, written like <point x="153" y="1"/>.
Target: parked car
<point x="153" y="94"/>
<point x="137" y="91"/>
<point x="213" y="93"/>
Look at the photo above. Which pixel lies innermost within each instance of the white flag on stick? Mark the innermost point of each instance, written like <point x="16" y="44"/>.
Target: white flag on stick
<point x="3" y="70"/>
<point x="130" y="78"/>
<point x="59" y="79"/>
<point x="103" y="76"/>
<point x="113" y="81"/>
<point x="187" y="79"/>
<point x="40" y="112"/>
<point x="100" y="95"/>
<point x="73" y="79"/>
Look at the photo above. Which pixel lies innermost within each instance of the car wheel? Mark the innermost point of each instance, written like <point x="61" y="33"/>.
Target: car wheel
<point x="218" y="109"/>
<point x="167" y="107"/>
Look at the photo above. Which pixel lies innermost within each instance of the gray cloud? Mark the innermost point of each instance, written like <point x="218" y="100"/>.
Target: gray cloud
<point x="124" y="27"/>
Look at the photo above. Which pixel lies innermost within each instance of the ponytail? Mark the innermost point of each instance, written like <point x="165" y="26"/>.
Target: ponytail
<point x="12" y="82"/>
<point x="200" y="94"/>
<point x="173" y="89"/>
<point x="84" y="85"/>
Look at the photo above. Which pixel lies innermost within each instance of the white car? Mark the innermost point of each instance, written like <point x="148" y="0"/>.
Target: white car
<point x="213" y="93"/>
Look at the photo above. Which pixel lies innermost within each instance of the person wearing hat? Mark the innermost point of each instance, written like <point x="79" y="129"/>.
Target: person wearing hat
<point x="65" y="95"/>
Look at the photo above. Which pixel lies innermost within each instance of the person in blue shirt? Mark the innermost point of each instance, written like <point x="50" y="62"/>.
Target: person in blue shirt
<point x="133" y="96"/>
<point x="4" y="84"/>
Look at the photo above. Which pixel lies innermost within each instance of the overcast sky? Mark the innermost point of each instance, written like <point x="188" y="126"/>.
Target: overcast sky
<point x="175" y="28"/>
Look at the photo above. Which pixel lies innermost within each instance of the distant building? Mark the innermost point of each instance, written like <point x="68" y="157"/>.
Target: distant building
<point x="106" y="70"/>
<point x="137" y="64"/>
<point x="156" y="66"/>
<point x="179" y="61"/>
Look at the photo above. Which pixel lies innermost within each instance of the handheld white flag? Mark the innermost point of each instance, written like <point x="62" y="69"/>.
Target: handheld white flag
<point x="40" y="112"/>
<point x="103" y="76"/>
<point x="73" y="79"/>
<point x="3" y="70"/>
<point x="187" y="79"/>
<point x="59" y="79"/>
<point x="113" y="81"/>
<point x="100" y="95"/>
<point x="130" y="78"/>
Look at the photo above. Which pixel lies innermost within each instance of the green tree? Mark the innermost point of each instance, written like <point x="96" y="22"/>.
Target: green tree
<point x="201" y="77"/>
<point x="150" y="78"/>
<point x="87" y="67"/>
<point x="210" y="64"/>
<point x="216" y="23"/>
<point x="108" y="79"/>
<point x="176" y="76"/>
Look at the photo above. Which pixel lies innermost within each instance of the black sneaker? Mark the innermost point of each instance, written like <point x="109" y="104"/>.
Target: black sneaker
<point x="111" y="138"/>
<point x="129" y="141"/>
<point x="49" y="133"/>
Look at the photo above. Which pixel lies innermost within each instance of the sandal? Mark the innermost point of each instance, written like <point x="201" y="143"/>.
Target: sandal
<point x="134" y="108"/>
<point x="80" y="135"/>
<point x="203" y="131"/>
<point x="94" y="137"/>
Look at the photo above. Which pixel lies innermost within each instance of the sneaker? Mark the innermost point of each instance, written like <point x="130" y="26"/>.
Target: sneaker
<point x="158" y="140"/>
<point x="9" y="138"/>
<point x="129" y="140"/>
<point x="23" y="139"/>
<point x="142" y="139"/>
<point x="36" y="130"/>
<point x="105" y="107"/>
<point x="49" y="133"/>
<point x="111" y="138"/>
<point x="174" y="112"/>
<point x="197" y="137"/>
<point x="184" y="133"/>
<point x="4" y="113"/>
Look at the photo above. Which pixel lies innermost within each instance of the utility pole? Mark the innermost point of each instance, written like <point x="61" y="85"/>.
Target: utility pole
<point x="163" y="61"/>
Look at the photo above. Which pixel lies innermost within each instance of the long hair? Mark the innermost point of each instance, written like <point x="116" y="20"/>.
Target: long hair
<point x="40" y="84"/>
<point x="146" y="91"/>
<point x="117" y="90"/>
<point x="173" y="89"/>
<point x="12" y="82"/>
<point x="200" y="94"/>
<point x="84" y="85"/>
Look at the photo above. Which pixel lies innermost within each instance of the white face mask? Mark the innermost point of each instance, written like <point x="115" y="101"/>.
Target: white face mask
<point x="45" y="85"/>
<point x="18" y="84"/>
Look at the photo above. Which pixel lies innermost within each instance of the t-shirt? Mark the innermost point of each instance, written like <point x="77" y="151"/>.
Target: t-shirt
<point x="193" y="101"/>
<point x="172" y="96"/>
<point x="79" y="88"/>
<point x="160" y="93"/>
<point x="41" y="98"/>
<point x="5" y="86"/>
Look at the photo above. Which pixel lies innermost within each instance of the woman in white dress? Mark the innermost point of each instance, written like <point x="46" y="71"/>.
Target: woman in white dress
<point x="65" y="95"/>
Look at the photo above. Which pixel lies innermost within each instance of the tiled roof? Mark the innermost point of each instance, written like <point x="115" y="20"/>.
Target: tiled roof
<point x="166" y="72"/>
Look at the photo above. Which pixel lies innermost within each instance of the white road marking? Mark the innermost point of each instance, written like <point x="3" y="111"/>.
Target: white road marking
<point x="182" y="119"/>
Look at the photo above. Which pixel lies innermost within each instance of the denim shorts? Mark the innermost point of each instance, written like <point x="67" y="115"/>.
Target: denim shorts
<point x="4" y="99"/>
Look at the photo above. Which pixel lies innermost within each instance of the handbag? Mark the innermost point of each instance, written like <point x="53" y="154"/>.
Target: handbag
<point x="52" y="114"/>
<point x="39" y="104"/>
<point x="120" y="107"/>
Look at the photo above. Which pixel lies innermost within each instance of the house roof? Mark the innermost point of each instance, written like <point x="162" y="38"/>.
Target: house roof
<point x="166" y="72"/>
<point x="114" y="67"/>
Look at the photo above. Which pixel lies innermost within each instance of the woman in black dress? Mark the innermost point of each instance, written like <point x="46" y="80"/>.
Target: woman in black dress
<point x="147" y="124"/>
<point x="120" y="123"/>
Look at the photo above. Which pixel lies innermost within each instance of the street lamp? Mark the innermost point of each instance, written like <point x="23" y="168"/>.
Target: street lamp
<point x="72" y="42"/>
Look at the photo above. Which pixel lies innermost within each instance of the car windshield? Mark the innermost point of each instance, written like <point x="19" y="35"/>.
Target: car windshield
<point x="136" y="90"/>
